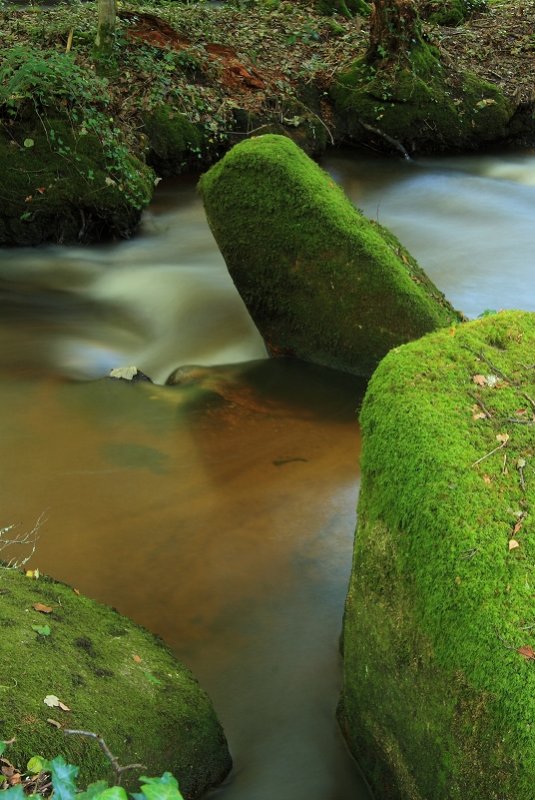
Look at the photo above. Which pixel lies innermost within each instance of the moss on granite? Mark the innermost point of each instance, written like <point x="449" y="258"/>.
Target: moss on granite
<point x="117" y="679"/>
<point x="321" y="282"/>
<point x="438" y="695"/>
<point x="420" y="104"/>
<point x="175" y="143"/>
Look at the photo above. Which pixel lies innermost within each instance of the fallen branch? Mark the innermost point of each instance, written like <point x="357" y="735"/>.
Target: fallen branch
<point x="114" y="761"/>
<point x="500" y="447"/>
<point x="390" y="139"/>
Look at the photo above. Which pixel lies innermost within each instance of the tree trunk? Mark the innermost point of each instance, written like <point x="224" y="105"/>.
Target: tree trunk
<point x="107" y="12"/>
<point x="394" y="30"/>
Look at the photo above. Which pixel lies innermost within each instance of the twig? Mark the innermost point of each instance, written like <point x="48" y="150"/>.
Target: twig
<point x="495" y="369"/>
<point x="500" y="447"/>
<point x="390" y="139"/>
<point x="481" y="404"/>
<point x="9" y="741"/>
<point x="114" y="761"/>
<point x="529" y="399"/>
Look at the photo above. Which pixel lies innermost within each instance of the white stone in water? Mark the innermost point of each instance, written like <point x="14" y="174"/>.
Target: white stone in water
<point x="126" y="373"/>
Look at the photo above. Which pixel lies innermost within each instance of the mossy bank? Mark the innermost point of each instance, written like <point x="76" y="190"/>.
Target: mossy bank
<point x="115" y="677"/>
<point x="439" y="676"/>
<point x="322" y="282"/>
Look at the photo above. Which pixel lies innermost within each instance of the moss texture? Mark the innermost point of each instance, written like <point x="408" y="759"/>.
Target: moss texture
<point x="420" y="105"/>
<point x="439" y="695"/>
<point x="321" y="281"/>
<point x="64" y="187"/>
<point x="117" y="679"/>
<point x="175" y="144"/>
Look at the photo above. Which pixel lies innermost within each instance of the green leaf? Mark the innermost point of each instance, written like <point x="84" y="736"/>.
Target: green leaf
<point x="93" y="791"/>
<point x="113" y="793"/>
<point x="29" y="143"/>
<point x="14" y="793"/>
<point x="36" y="764"/>
<point x="42" y="630"/>
<point x="63" y="776"/>
<point x="3" y="746"/>
<point x="152" y="678"/>
<point x="164" y="788"/>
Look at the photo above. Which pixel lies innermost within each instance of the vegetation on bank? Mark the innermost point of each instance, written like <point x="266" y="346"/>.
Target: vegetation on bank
<point x="438" y="694"/>
<point x="185" y="81"/>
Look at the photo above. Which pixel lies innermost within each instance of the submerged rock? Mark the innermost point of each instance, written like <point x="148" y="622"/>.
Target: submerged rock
<point x="321" y="282"/>
<point x="117" y="679"/>
<point x="438" y="695"/>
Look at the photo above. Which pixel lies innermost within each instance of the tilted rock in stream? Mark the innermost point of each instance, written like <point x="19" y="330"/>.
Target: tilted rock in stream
<point x="438" y="695"/>
<point x="117" y="679"/>
<point x="321" y="282"/>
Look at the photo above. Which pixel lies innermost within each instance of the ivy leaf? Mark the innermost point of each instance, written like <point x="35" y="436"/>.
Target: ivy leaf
<point x="113" y="793"/>
<point x="36" y="764"/>
<point x="63" y="776"/>
<point x="164" y="788"/>
<point x="3" y="746"/>
<point x="42" y="630"/>
<point x="93" y="791"/>
<point x="14" y="793"/>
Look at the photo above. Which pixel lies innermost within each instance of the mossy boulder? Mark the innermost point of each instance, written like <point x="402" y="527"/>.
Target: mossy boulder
<point x="321" y="282"/>
<point x="64" y="186"/>
<point x="419" y="104"/>
<point x="451" y="12"/>
<point x="175" y="143"/>
<point x="438" y="695"/>
<point x="117" y="679"/>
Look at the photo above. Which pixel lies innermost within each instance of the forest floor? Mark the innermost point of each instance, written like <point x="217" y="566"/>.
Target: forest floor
<point x="209" y="59"/>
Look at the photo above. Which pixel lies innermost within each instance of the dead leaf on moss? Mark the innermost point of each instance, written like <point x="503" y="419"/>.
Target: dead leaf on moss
<point x="513" y="544"/>
<point x="137" y="659"/>
<point x="42" y="608"/>
<point x="54" y="722"/>
<point x="487" y="479"/>
<point x="54" y="702"/>
<point x="480" y="380"/>
<point x="502" y="437"/>
<point x="527" y="651"/>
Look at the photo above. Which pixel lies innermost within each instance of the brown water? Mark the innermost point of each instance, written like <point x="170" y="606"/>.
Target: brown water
<point x="220" y="513"/>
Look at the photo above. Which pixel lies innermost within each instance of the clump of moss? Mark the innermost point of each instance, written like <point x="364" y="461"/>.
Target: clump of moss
<point x="117" y="679"/>
<point x="321" y="281"/>
<point x="439" y="678"/>
<point x="346" y="8"/>
<point x="419" y="104"/>
<point x="175" y="143"/>
<point x="451" y="12"/>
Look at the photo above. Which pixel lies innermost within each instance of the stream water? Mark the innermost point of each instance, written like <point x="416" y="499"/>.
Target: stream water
<point x="220" y="512"/>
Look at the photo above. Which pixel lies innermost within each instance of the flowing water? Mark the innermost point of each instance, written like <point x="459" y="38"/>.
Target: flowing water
<point x="220" y="512"/>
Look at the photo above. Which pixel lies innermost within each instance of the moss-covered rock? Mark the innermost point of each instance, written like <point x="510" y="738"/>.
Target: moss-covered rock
<point x="345" y="7"/>
<point x="117" y="679"/>
<point x="420" y="104"/>
<point x="63" y="187"/>
<point x="175" y="143"/>
<point x="439" y="679"/>
<point x="451" y="12"/>
<point x="321" y="281"/>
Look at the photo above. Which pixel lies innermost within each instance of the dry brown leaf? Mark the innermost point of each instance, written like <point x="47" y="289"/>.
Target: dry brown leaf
<point x="518" y="525"/>
<point x="76" y="591"/>
<point x="42" y="608"/>
<point x="527" y="651"/>
<point x="137" y="659"/>
<point x="63" y="706"/>
<point x="502" y="437"/>
<point x="513" y="544"/>
<point x="54" y="722"/>
<point x="487" y="479"/>
<point x="480" y="380"/>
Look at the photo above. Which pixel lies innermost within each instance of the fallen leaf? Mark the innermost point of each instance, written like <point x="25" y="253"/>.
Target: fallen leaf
<point x="521" y="463"/>
<point x="76" y="591"/>
<point x="42" y="608"/>
<point x="527" y="651"/>
<point x="518" y="525"/>
<point x="513" y="544"/>
<point x="42" y="630"/>
<point x="479" y="415"/>
<point x="54" y="722"/>
<point x="51" y="700"/>
<point x="63" y="706"/>
<point x="492" y="380"/>
<point x="32" y="573"/>
<point x="480" y="380"/>
<point x="487" y="479"/>
<point x="137" y="659"/>
<point x="502" y="437"/>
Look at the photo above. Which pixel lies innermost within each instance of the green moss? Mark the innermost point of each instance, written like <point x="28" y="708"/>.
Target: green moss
<point x="175" y="144"/>
<point x="149" y="709"/>
<point x="345" y="7"/>
<point x="64" y="187"/>
<point x="437" y="701"/>
<point x="320" y="280"/>
<point x="452" y="12"/>
<point x="420" y="104"/>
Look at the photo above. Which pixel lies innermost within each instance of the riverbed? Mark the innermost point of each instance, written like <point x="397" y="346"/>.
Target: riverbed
<point x="220" y="512"/>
